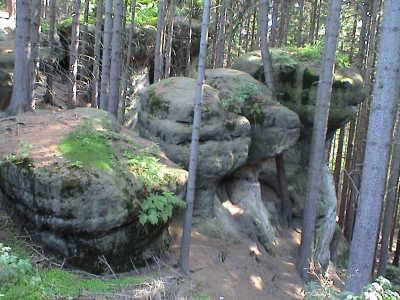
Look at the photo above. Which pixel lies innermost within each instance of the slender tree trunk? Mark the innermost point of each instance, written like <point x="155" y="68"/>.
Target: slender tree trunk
<point x="158" y="57"/>
<point x="169" y="37"/>
<point x="189" y="46"/>
<point x="253" y="31"/>
<point x="73" y="55"/>
<point x="397" y="252"/>
<point x="362" y="50"/>
<point x="220" y="47"/>
<point x="353" y="36"/>
<point x="383" y="104"/>
<point x="274" y="23"/>
<point x="346" y="180"/>
<point x="319" y="136"/>
<point x="51" y="61"/>
<point x="394" y="222"/>
<point x="338" y="162"/>
<point x="299" y="36"/>
<point x="106" y="61"/>
<point x="115" y="72"/>
<point x="128" y="60"/>
<point x="35" y="41"/>
<point x="20" y="95"/>
<point x="97" y="53"/>
<point x="286" y="205"/>
<point x="313" y="21"/>
<point x="391" y="190"/>
<point x="269" y="80"/>
<point x="191" y="186"/>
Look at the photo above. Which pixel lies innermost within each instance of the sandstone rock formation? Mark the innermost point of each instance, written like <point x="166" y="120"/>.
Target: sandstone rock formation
<point x="296" y="79"/>
<point x="84" y="189"/>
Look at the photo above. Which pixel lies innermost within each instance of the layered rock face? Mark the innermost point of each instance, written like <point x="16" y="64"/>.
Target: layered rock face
<point x="84" y="189"/>
<point x="296" y="85"/>
<point x="241" y="126"/>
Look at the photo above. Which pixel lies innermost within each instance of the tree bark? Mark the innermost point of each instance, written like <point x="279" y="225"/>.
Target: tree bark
<point x="97" y="54"/>
<point x="191" y="186"/>
<point x="313" y="21"/>
<point x="158" y="56"/>
<point x="338" y="162"/>
<point x="20" y="95"/>
<point x="266" y="57"/>
<point x="115" y="72"/>
<point x="391" y="189"/>
<point x="169" y="37"/>
<point x="220" y="46"/>
<point x="397" y="252"/>
<point x="35" y="41"/>
<point x="381" y="118"/>
<point x="318" y="139"/>
<point x="128" y="61"/>
<point x="274" y="23"/>
<point x="73" y="55"/>
<point x="50" y="71"/>
<point x="106" y="61"/>
<point x="189" y="46"/>
<point x="299" y="36"/>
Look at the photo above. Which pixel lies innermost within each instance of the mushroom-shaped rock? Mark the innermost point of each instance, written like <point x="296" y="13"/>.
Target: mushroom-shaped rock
<point x="86" y="189"/>
<point x="166" y="117"/>
<point x="296" y="78"/>
<point x="275" y="128"/>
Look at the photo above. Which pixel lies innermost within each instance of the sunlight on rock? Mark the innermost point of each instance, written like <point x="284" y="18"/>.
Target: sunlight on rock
<point x="232" y="208"/>
<point x="254" y="250"/>
<point x="257" y="282"/>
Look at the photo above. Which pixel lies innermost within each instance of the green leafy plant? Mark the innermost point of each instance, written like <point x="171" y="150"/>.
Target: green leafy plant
<point x="158" y="208"/>
<point x="22" y="156"/>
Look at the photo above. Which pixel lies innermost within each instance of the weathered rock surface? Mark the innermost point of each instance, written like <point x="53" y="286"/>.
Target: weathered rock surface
<point x="166" y="115"/>
<point x="80" y="187"/>
<point x="274" y="128"/>
<point x="241" y="124"/>
<point x="296" y="81"/>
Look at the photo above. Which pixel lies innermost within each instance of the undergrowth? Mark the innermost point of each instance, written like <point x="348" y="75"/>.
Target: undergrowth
<point x="21" y="279"/>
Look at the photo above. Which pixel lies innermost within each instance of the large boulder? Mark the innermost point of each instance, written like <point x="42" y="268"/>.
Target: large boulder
<point x="275" y="128"/>
<point x="166" y="117"/>
<point x="85" y="189"/>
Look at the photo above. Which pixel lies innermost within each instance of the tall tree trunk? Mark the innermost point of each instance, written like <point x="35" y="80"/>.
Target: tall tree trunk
<point x="189" y="45"/>
<point x="381" y="118"/>
<point x="220" y="47"/>
<point x="362" y="50"/>
<point x="284" y="23"/>
<point x="35" y="41"/>
<point x="391" y="191"/>
<point x="394" y="222"/>
<point x="397" y="252"/>
<point x="169" y="37"/>
<point x="128" y="60"/>
<point x="274" y="23"/>
<point x="299" y="35"/>
<point x="269" y="80"/>
<point x="97" y="53"/>
<point x="20" y="95"/>
<point x="115" y="72"/>
<point x="319" y="136"/>
<point x="73" y="55"/>
<point x="50" y="71"/>
<point x="353" y="35"/>
<point x="191" y="186"/>
<point x="158" y="56"/>
<point x="313" y="21"/>
<point x="338" y="162"/>
<point x="346" y="180"/>
<point x="106" y="61"/>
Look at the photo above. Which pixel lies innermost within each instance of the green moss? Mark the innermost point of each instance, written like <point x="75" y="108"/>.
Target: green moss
<point x="88" y="146"/>
<point x="157" y="105"/>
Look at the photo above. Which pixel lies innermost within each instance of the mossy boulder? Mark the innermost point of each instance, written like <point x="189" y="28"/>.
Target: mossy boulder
<point x="275" y="128"/>
<point x="296" y="78"/>
<point x="85" y="188"/>
<point x="166" y="117"/>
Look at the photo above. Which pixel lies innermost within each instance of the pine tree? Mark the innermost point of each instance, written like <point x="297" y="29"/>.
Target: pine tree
<point x="191" y="185"/>
<point x="318" y="138"/>
<point x="362" y="250"/>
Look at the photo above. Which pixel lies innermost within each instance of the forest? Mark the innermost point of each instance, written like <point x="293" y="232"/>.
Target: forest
<point x="200" y="149"/>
